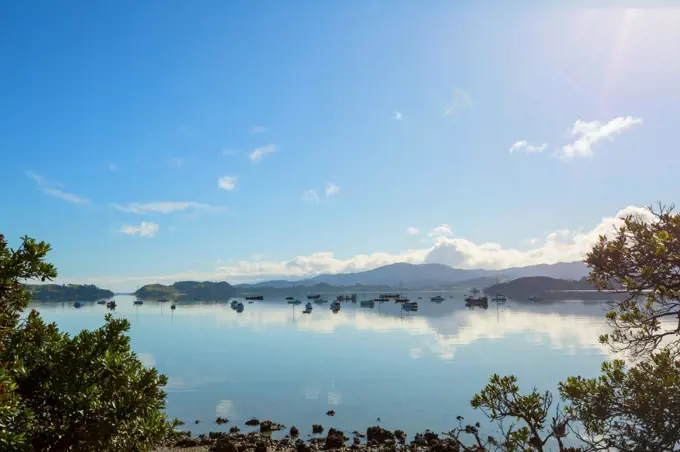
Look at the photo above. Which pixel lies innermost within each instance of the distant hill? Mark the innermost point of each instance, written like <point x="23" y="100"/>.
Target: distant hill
<point x="548" y="289"/>
<point x="428" y="276"/>
<point x="68" y="292"/>
<point x="190" y="290"/>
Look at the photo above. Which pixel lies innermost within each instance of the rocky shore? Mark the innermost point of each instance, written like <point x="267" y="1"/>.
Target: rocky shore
<point x="375" y="438"/>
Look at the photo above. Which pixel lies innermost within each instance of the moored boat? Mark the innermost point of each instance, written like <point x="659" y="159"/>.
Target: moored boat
<point x="294" y="301"/>
<point x="138" y="302"/>
<point x="410" y="306"/>
<point x="111" y="304"/>
<point x="535" y="298"/>
<point x="163" y="300"/>
<point x="499" y="298"/>
<point x="367" y="303"/>
<point x="313" y="296"/>
<point x="173" y="306"/>
<point x="320" y="301"/>
<point x="437" y="298"/>
<point x="77" y="304"/>
<point x="477" y="300"/>
<point x="401" y="300"/>
<point x="335" y="305"/>
<point x="101" y="302"/>
<point x="255" y="297"/>
<point x="290" y="298"/>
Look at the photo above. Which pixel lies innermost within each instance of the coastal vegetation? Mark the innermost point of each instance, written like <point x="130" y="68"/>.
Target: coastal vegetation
<point x="67" y="292"/>
<point x="87" y="392"/>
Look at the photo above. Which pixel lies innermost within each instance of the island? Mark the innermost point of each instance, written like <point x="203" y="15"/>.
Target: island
<point x="187" y="290"/>
<point x="548" y="289"/>
<point x="67" y="292"/>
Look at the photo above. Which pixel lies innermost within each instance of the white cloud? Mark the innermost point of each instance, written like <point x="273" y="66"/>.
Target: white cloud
<point x="590" y="133"/>
<point x="397" y="116"/>
<point x="114" y="167"/>
<point x="145" y="229"/>
<point x="57" y="193"/>
<point x="311" y="196"/>
<point x="164" y="207"/>
<point x="527" y="147"/>
<point x="443" y="230"/>
<point x="227" y="183"/>
<point x="51" y="188"/>
<point x="332" y="189"/>
<point x="259" y="153"/>
<point x="256" y="130"/>
<point x="460" y="100"/>
<point x="412" y="231"/>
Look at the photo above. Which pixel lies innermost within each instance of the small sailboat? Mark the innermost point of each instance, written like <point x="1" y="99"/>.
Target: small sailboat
<point x="290" y="298"/>
<point x="255" y="297"/>
<point x="320" y="301"/>
<point x="313" y="296"/>
<point x="437" y="298"/>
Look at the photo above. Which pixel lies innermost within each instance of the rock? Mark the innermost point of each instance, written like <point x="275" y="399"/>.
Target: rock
<point x="260" y="447"/>
<point x="222" y="420"/>
<point x="335" y="439"/>
<point x="360" y="434"/>
<point x="223" y="445"/>
<point x="357" y="441"/>
<point x="302" y="446"/>
<point x="216" y="435"/>
<point x="317" y="428"/>
<point x="379" y="434"/>
<point x="234" y="429"/>
<point x="269" y="426"/>
<point x="252" y="422"/>
<point x="188" y="442"/>
<point x="330" y="413"/>
<point x="400" y="435"/>
<point x="294" y="431"/>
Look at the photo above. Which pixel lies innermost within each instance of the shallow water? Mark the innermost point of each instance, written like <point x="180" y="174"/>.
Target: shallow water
<point x="412" y="370"/>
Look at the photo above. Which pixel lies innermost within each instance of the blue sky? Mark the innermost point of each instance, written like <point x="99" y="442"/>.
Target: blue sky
<point x="345" y="134"/>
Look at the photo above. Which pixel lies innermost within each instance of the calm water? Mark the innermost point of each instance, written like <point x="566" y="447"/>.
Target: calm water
<point x="414" y="371"/>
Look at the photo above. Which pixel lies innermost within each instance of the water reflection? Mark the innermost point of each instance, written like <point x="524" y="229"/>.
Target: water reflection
<point x="414" y="370"/>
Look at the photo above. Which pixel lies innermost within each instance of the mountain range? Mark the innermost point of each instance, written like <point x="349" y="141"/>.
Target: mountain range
<point x="428" y="276"/>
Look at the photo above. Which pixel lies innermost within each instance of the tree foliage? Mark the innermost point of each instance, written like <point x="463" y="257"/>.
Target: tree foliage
<point x="642" y="260"/>
<point x="88" y="392"/>
<point x="634" y="410"/>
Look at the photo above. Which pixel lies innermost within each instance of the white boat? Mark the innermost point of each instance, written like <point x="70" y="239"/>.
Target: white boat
<point x="296" y="301"/>
<point x="335" y="305"/>
<point x="437" y="298"/>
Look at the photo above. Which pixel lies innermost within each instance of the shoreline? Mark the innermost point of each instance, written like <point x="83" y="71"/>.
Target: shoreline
<point x="374" y="438"/>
